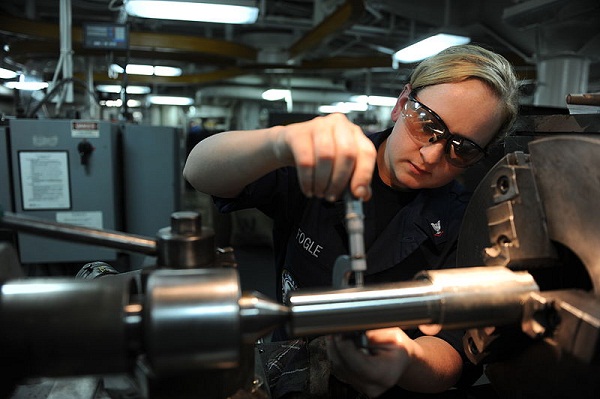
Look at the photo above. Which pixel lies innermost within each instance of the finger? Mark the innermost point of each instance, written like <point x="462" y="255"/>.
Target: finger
<point x="430" y="329"/>
<point x="304" y="159"/>
<point x="360" y="184"/>
<point x="349" y="354"/>
<point x="325" y="152"/>
<point x="339" y="367"/>
<point x="345" y="159"/>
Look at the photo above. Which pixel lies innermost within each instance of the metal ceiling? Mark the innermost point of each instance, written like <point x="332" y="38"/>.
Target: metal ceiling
<point x="327" y="44"/>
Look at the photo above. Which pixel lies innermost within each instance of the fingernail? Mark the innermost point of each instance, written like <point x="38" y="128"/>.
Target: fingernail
<point x="361" y="192"/>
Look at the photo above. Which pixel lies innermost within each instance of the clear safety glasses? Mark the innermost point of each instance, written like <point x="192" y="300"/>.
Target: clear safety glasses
<point x="425" y="126"/>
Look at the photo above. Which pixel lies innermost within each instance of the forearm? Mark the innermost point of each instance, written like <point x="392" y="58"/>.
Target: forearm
<point x="223" y="164"/>
<point x="435" y="366"/>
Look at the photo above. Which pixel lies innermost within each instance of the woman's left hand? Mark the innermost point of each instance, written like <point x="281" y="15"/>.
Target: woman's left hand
<point x="374" y="370"/>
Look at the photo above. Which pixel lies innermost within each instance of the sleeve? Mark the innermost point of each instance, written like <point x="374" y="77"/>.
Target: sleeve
<point x="271" y="194"/>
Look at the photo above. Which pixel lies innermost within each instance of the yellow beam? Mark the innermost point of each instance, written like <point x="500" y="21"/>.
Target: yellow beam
<point x="198" y="78"/>
<point x="337" y="20"/>
<point x="348" y="63"/>
<point x="145" y="41"/>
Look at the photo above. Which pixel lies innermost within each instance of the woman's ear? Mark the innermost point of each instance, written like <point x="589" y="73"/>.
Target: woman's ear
<point x="402" y="99"/>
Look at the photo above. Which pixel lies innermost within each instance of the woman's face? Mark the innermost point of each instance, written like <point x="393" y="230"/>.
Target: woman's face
<point x="469" y="109"/>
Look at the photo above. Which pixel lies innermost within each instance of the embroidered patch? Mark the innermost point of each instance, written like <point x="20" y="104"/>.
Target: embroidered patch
<point x="288" y="284"/>
<point x="437" y="228"/>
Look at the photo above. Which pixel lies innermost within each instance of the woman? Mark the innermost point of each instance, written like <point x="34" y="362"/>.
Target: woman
<point x="456" y="104"/>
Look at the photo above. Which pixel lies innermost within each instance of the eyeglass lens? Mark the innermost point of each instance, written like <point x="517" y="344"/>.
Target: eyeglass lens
<point x="426" y="127"/>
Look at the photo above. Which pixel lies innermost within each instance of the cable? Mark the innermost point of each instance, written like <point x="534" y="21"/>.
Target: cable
<point x="52" y="93"/>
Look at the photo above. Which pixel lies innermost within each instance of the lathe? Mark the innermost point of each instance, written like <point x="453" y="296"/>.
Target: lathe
<point x="528" y="294"/>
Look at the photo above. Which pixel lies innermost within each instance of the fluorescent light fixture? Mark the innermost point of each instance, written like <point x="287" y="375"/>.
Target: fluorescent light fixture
<point x="275" y="94"/>
<point x="379" y="101"/>
<point x="118" y="103"/>
<point x="147" y="70"/>
<point x="167" y="71"/>
<point x="344" y="107"/>
<point x="7" y="74"/>
<point x="225" y="12"/>
<point x="137" y="69"/>
<point x="130" y="89"/>
<point x="170" y="100"/>
<point x="428" y="47"/>
<point x="26" y="84"/>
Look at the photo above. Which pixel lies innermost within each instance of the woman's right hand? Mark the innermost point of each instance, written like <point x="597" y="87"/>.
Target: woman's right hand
<point x="330" y="153"/>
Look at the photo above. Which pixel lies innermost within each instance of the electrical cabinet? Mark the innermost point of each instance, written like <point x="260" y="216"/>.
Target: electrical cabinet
<point x="66" y="171"/>
<point x="153" y="159"/>
<point x="5" y="178"/>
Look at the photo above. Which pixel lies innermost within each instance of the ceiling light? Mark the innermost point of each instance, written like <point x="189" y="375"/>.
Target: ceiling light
<point x="118" y="103"/>
<point x="7" y="74"/>
<point x="343" y="107"/>
<point x="275" y="94"/>
<point x="170" y="100"/>
<point x="380" y="101"/>
<point x="428" y="47"/>
<point x="26" y="83"/>
<point x="137" y="69"/>
<point x="226" y="12"/>
<point x="167" y="71"/>
<point x="118" y="88"/>
<point x="147" y="70"/>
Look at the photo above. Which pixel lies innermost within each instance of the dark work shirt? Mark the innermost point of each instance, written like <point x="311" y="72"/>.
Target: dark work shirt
<point x="405" y="232"/>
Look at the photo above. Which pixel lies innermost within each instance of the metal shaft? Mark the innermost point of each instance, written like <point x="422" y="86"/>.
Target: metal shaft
<point x="107" y="238"/>
<point x="454" y="298"/>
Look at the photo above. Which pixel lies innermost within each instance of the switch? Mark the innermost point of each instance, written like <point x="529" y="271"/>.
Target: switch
<point x="85" y="149"/>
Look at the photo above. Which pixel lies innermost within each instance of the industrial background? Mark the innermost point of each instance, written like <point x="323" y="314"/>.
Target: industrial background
<point x="91" y="191"/>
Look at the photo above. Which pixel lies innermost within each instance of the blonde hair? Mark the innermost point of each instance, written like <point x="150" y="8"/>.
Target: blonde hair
<point x="460" y="63"/>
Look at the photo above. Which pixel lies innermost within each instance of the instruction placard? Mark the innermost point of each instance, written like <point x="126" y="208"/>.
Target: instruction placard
<point x="45" y="180"/>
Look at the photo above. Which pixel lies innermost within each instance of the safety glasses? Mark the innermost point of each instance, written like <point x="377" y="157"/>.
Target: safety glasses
<point x="425" y="126"/>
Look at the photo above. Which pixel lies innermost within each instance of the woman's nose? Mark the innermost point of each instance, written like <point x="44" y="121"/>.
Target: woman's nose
<point x="433" y="153"/>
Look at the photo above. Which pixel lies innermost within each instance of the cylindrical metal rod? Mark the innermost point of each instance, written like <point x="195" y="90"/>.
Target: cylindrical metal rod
<point x="453" y="298"/>
<point x="106" y="238"/>
<point x="64" y="326"/>
<point x="584" y="99"/>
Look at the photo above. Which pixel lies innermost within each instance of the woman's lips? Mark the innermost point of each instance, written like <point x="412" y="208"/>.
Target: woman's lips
<point x="417" y="170"/>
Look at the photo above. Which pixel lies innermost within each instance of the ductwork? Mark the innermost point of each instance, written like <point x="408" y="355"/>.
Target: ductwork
<point x="255" y="93"/>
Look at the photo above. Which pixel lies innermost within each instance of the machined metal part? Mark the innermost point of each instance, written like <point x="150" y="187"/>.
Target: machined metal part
<point x="186" y="244"/>
<point x="584" y="99"/>
<point x="515" y="234"/>
<point x="63" y="326"/>
<point x="185" y="321"/>
<point x="259" y="316"/>
<point x="453" y="298"/>
<point x="192" y="319"/>
<point x="560" y="329"/>
<point x="567" y="172"/>
<point x="569" y="319"/>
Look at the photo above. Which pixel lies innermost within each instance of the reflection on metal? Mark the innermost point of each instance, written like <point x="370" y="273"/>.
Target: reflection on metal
<point x="454" y="298"/>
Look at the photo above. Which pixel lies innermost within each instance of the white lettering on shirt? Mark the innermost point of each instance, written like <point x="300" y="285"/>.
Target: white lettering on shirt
<point x="308" y="244"/>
